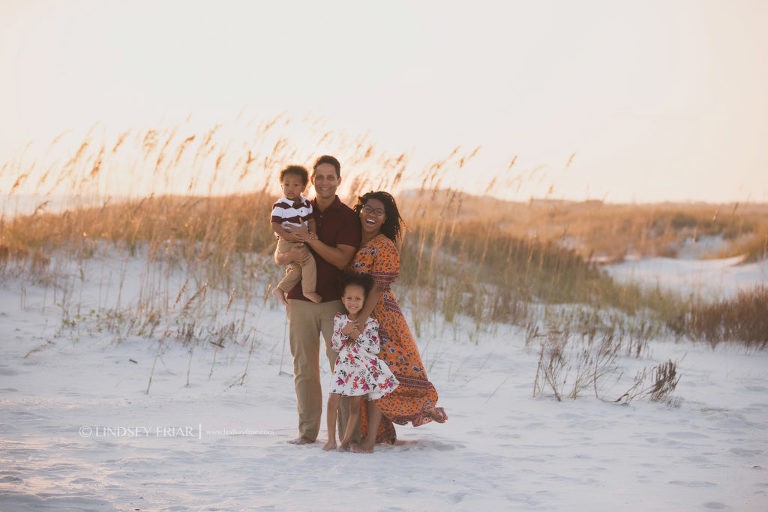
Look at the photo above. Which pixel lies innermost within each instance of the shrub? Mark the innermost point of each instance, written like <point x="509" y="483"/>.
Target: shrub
<point x="743" y="318"/>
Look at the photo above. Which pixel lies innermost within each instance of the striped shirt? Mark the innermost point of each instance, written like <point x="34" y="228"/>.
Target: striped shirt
<point x="337" y="225"/>
<point x="285" y="211"/>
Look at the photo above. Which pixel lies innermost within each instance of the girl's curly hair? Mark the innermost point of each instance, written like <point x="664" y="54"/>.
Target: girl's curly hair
<point x="364" y="280"/>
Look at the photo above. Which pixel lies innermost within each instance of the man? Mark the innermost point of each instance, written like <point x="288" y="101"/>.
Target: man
<point x="334" y="245"/>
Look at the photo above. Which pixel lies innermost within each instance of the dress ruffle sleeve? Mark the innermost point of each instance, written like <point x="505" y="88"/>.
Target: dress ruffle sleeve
<point x="386" y="264"/>
<point x="369" y="339"/>
<point x="338" y="339"/>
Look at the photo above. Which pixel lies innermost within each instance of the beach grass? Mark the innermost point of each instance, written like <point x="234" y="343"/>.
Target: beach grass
<point x="462" y="256"/>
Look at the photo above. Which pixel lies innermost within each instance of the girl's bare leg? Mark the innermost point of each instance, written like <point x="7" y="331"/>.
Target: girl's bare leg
<point x="333" y="406"/>
<point x="374" y="420"/>
<point x="352" y="421"/>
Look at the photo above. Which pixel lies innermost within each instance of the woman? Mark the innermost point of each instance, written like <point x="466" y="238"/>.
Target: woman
<point x="415" y="398"/>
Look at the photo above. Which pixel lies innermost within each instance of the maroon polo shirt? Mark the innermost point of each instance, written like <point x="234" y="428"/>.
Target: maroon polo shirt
<point x="336" y="225"/>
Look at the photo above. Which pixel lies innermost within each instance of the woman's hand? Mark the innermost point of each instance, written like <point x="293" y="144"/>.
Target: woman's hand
<point x="351" y="331"/>
<point x="359" y="325"/>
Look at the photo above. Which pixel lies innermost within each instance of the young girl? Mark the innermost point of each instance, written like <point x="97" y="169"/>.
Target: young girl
<point x="358" y="372"/>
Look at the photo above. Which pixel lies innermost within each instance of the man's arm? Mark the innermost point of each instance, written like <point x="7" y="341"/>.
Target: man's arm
<point x="338" y="256"/>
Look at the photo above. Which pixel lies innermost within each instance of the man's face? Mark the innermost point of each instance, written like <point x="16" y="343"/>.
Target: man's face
<point x="325" y="181"/>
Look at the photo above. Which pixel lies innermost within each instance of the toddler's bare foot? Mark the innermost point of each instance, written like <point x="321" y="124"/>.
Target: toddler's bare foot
<point x="330" y="445"/>
<point x="280" y="296"/>
<point x="314" y="297"/>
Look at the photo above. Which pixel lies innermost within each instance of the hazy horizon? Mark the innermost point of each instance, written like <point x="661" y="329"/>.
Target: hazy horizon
<point x="659" y="102"/>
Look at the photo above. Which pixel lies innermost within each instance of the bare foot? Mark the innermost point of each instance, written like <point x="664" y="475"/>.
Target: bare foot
<point x="363" y="447"/>
<point x="438" y="414"/>
<point x="300" y="440"/>
<point x="280" y="296"/>
<point x="314" y="297"/>
<point x="330" y="445"/>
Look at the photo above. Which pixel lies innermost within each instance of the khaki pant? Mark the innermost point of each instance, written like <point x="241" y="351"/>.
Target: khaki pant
<point x="304" y="271"/>
<point x="307" y="320"/>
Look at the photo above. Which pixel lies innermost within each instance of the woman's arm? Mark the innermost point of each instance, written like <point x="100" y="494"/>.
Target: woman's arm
<point x="370" y="303"/>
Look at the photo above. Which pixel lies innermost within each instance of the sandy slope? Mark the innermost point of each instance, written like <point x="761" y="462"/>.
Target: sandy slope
<point x="500" y="450"/>
<point x="707" y="278"/>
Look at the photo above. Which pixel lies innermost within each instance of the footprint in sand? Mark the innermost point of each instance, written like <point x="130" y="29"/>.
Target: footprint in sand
<point x="687" y="435"/>
<point x="745" y="453"/>
<point x="457" y="497"/>
<point x="695" y="484"/>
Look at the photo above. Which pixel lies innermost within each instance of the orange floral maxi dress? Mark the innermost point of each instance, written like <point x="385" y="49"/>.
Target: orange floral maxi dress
<point x="415" y="396"/>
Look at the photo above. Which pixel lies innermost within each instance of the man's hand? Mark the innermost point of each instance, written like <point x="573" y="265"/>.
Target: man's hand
<point x="290" y="237"/>
<point x="300" y="233"/>
<point x="297" y="253"/>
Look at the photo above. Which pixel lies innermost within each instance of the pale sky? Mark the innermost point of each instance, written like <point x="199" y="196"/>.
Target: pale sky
<point x="660" y="100"/>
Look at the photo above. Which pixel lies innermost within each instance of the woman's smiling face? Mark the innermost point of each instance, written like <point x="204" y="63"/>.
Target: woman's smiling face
<point x="372" y="216"/>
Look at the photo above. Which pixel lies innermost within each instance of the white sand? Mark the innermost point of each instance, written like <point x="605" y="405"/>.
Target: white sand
<point x="500" y="449"/>
<point x="707" y="278"/>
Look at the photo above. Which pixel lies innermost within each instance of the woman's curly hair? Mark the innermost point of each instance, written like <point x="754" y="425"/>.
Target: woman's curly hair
<point x="393" y="223"/>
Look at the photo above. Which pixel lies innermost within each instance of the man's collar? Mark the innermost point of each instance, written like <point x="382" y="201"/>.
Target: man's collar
<point x="336" y="204"/>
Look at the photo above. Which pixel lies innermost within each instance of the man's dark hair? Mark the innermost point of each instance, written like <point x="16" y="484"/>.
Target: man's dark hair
<point x="327" y="159"/>
<point x="364" y="280"/>
<point x="296" y="170"/>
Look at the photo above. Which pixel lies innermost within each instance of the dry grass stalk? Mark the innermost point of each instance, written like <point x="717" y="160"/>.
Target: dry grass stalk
<point x="663" y="381"/>
<point x="459" y="259"/>
<point x="743" y="318"/>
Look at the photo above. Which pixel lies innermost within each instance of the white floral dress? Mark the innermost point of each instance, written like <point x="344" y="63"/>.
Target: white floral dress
<point x="358" y="371"/>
